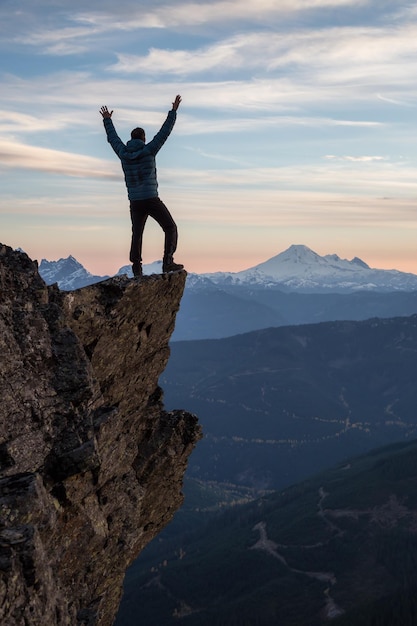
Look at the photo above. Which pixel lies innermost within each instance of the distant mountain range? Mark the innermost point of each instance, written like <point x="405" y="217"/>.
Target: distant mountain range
<point x="294" y="287"/>
<point x="296" y="269"/>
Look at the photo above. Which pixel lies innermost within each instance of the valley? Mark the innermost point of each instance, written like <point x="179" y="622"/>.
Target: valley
<point x="279" y="404"/>
<point x="340" y="546"/>
<point x="299" y="370"/>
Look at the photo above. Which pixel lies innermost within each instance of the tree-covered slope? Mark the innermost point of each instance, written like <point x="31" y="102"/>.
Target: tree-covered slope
<point x="279" y="404"/>
<point x="341" y="546"/>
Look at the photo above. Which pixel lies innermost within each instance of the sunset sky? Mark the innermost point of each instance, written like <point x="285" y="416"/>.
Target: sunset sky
<point x="298" y="126"/>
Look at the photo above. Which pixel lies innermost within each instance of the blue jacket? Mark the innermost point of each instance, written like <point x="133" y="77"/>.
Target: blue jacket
<point x="138" y="158"/>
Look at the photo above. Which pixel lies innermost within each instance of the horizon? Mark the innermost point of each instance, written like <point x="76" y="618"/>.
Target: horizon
<point x="297" y="123"/>
<point x="159" y="261"/>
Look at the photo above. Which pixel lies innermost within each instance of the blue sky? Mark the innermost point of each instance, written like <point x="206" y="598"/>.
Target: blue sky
<point x="298" y="126"/>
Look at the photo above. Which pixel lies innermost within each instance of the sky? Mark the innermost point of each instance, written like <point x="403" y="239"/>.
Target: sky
<point x="298" y="125"/>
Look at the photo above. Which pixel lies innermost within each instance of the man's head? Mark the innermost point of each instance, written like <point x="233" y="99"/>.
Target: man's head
<point x="138" y="133"/>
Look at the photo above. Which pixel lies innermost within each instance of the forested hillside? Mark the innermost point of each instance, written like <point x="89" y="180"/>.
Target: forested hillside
<point x="342" y="545"/>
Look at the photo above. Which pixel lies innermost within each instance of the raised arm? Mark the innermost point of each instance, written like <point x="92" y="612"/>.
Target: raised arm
<point x="175" y="104"/>
<point x="112" y="137"/>
<point x="160" y="138"/>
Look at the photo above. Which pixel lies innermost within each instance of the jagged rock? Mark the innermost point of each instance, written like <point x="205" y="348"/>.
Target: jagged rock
<point x="91" y="466"/>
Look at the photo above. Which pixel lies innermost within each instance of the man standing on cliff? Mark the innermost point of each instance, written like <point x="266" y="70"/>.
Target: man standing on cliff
<point x="138" y="163"/>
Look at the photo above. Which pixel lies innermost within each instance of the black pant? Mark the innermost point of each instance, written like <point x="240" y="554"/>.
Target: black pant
<point x="139" y="213"/>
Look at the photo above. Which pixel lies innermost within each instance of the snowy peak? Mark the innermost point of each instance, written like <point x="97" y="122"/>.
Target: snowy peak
<point x="62" y="266"/>
<point x="292" y="261"/>
<point x="299" y="257"/>
<point x="357" y="261"/>
<point x="298" y="253"/>
<point x="150" y="268"/>
<point x="301" y="269"/>
<point x="68" y="273"/>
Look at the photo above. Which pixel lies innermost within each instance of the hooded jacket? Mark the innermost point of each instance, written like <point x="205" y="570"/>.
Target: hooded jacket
<point x="138" y="158"/>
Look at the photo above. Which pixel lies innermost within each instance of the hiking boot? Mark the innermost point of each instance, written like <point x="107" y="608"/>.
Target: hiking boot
<point x="170" y="266"/>
<point x="137" y="269"/>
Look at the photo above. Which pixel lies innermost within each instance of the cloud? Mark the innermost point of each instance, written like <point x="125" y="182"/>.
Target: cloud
<point x="402" y="103"/>
<point x="275" y="71"/>
<point x="58" y="30"/>
<point x="325" y="55"/>
<point x="355" y="159"/>
<point x="250" y="125"/>
<point x="255" y="11"/>
<point x="379" y="178"/>
<point x="139" y="15"/>
<point x="22" y="156"/>
<point x="13" y="121"/>
<point x="72" y="100"/>
<point x="182" y="62"/>
<point x="62" y="41"/>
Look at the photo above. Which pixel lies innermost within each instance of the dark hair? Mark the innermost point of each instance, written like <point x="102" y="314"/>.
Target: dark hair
<point x="138" y="133"/>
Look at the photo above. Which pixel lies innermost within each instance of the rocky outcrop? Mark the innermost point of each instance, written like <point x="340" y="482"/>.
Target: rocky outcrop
<point x="91" y="465"/>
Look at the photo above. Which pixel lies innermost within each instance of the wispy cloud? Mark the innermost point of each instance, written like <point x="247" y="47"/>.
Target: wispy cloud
<point x="13" y="121"/>
<point x="255" y="11"/>
<point x="382" y="176"/>
<point x="139" y="15"/>
<point x="74" y="100"/>
<point x="373" y="178"/>
<point x="23" y="156"/>
<point x="250" y="125"/>
<point x="71" y="30"/>
<point x="62" y="41"/>
<point x="332" y="55"/>
<point x="182" y="62"/>
<point x="355" y="159"/>
<point x="402" y="103"/>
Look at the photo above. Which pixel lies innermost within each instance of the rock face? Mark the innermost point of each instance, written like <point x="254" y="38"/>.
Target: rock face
<point x="91" y="466"/>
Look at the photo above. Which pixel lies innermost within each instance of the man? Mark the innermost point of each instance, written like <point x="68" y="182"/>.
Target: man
<point x="138" y="163"/>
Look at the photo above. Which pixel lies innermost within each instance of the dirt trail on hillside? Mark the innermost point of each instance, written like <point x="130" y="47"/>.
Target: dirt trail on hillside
<point x="385" y="516"/>
<point x="269" y="546"/>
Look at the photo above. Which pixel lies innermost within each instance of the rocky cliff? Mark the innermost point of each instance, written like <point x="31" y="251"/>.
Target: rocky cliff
<point x="91" y="466"/>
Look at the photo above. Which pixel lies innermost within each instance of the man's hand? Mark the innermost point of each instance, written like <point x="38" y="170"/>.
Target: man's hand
<point x="176" y="103"/>
<point x="106" y="113"/>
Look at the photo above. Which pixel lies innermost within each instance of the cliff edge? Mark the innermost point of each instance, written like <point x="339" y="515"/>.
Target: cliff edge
<point x="91" y="465"/>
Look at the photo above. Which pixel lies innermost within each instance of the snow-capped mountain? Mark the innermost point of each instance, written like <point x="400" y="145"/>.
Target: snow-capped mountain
<point x="300" y="269"/>
<point x="68" y="273"/>
<point x="297" y="269"/>
<point x="150" y="268"/>
<point x="294" y="287"/>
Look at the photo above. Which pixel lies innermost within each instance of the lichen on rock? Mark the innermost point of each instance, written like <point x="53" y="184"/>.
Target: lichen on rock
<point x="91" y="465"/>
